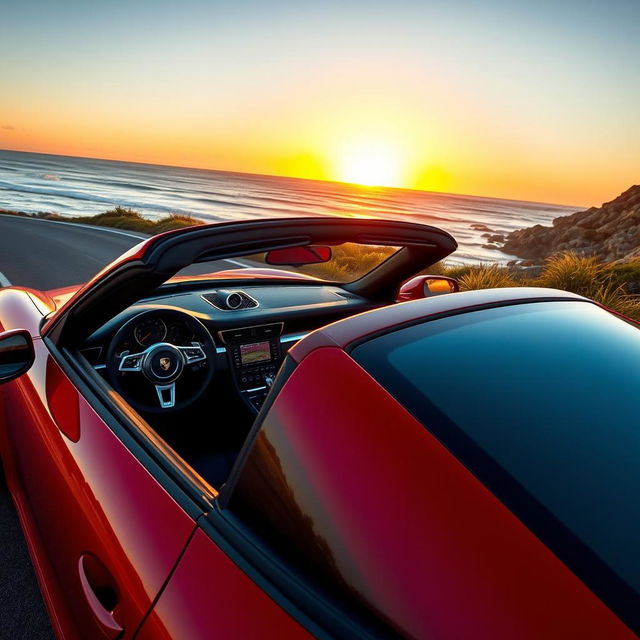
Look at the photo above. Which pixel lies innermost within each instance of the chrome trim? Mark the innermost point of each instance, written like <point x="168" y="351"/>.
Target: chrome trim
<point x="191" y="359"/>
<point x="99" y="367"/>
<point x="221" y="350"/>
<point x="126" y="355"/>
<point x="256" y="389"/>
<point x="294" y="337"/>
<point x="240" y="292"/>
<point x="229" y="305"/>
<point x="171" y="388"/>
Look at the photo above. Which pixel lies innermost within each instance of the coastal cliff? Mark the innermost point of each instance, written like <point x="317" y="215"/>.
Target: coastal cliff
<point x="610" y="233"/>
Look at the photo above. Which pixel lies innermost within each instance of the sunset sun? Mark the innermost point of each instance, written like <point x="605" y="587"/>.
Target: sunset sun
<point x="371" y="165"/>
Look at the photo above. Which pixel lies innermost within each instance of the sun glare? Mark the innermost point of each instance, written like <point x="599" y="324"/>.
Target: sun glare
<point x="370" y="165"/>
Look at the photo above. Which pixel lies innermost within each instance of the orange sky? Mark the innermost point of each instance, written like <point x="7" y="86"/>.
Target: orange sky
<point x="440" y="99"/>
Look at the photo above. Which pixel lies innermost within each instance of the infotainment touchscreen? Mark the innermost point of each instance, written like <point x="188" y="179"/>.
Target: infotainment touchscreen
<point x="255" y="352"/>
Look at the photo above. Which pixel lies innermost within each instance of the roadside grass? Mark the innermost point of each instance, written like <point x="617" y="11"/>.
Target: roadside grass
<point x="616" y="298"/>
<point x="608" y="285"/>
<point x="348" y="262"/>
<point x="570" y="272"/>
<point x="488" y="276"/>
<point x="626" y="275"/>
<point x="612" y="285"/>
<point x="120" y="218"/>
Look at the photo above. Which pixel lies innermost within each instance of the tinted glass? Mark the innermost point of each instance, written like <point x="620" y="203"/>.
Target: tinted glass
<point x="549" y="393"/>
<point x="15" y="355"/>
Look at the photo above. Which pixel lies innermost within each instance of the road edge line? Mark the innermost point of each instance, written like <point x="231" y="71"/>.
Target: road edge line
<point x="140" y="236"/>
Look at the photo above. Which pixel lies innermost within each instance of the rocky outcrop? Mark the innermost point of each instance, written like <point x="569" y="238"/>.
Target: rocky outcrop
<point x="610" y="232"/>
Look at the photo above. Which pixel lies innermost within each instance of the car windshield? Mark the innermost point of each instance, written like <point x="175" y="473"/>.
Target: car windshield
<point x="541" y="402"/>
<point x="349" y="261"/>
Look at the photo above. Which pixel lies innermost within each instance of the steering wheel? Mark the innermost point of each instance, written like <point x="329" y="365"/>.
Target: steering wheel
<point x="164" y="376"/>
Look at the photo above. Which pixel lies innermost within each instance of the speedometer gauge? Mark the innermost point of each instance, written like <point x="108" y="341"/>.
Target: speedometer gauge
<point x="150" y="331"/>
<point x="179" y="333"/>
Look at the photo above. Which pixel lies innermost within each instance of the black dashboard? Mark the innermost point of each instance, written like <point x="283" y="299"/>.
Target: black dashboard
<point x="251" y="326"/>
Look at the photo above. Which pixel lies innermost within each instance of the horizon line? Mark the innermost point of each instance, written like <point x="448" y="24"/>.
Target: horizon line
<point x="273" y="175"/>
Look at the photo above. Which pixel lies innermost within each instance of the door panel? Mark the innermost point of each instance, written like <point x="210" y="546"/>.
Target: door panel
<point x="208" y="596"/>
<point x="107" y="530"/>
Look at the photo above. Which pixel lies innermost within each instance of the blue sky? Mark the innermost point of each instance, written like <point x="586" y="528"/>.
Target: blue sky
<point x="482" y="87"/>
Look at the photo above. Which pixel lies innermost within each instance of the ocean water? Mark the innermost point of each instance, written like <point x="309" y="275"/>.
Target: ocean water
<point x="33" y="182"/>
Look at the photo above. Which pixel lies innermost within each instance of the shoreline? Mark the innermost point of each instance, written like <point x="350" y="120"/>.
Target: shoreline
<point x="251" y="174"/>
<point x="614" y="285"/>
<point x="119" y="218"/>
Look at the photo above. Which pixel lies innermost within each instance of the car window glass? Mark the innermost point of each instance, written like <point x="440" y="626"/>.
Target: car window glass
<point x="548" y="391"/>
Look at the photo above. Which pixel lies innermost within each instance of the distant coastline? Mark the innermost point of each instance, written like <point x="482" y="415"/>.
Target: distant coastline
<point x="119" y="218"/>
<point x="79" y="187"/>
<point x="268" y="176"/>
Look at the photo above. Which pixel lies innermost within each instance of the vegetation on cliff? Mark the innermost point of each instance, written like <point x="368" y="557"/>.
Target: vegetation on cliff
<point x="612" y="285"/>
<point x="615" y="285"/>
<point x="119" y="217"/>
<point x="610" y="233"/>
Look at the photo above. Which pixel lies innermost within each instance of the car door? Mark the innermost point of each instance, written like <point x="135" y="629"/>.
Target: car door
<point x="104" y="530"/>
<point x="104" y="533"/>
<point x="348" y="517"/>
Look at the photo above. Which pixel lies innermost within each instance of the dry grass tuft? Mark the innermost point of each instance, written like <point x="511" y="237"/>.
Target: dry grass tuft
<point x="487" y="276"/>
<point x="607" y="284"/>
<point x="349" y="262"/>
<point x="120" y="218"/>
<point x="614" y="297"/>
<point x="570" y="272"/>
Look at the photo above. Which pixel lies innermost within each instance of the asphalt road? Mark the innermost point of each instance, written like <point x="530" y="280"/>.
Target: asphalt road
<point x="22" y="612"/>
<point x="46" y="254"/>
<point x="43" y="254"/>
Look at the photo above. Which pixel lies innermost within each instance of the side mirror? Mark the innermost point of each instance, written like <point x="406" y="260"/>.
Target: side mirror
<point x="16" y="354"/>
<point x="426" y="286"/>
<point x="298" y="256"/>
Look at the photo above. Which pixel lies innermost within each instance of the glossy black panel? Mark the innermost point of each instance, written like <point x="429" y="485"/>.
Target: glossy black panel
<point x="16" y="355"/>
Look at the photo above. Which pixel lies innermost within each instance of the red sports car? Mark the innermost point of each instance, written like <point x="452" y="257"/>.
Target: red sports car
<point x="261" y="453"/>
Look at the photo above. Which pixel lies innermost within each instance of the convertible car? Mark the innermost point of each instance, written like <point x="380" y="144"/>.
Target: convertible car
<point x="276" y="429"/>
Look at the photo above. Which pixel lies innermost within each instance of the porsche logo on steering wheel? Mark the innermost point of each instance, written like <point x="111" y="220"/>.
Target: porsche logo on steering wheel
<point x="165" y="363"/>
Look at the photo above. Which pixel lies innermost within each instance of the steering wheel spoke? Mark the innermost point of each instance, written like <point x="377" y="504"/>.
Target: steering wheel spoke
<point x="161" y="364"/>
<point x="166" y="395"/>
<point x="131" y="361"/>
<point x="193" y="353"/>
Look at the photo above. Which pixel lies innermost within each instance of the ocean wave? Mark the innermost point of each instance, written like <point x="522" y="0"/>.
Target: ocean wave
<point x="78" y="186"/>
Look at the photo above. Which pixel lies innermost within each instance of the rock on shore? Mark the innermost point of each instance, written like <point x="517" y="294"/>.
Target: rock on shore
<point x="610" y="232"/>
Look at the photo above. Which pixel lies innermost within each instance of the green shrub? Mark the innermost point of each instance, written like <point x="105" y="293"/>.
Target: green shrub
<point x="486" y="276"/>
<point x="609" y="284"/>
<point x="457" y="271"/>
<point x="614" y="297"/>
<point x="571" y="272"/>
<point x="626" y="275"/>
<point x="120" y="218"/>
<point x="349" y="262"/>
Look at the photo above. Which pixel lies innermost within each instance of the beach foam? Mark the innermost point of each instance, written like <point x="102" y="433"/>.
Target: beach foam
<point x="32" y="182"/>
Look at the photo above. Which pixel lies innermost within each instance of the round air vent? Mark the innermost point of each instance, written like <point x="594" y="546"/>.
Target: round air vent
<point x="233" y="300"/>
<point x="227" y="300"/>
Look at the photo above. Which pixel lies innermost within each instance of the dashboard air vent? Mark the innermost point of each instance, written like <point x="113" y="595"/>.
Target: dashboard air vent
<point x="230" y="300"/>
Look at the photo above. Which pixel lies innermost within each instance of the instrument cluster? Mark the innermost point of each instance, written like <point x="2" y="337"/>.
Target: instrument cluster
<point x="154" y="329"/>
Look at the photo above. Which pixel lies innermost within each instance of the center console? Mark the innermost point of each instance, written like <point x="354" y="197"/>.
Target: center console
<point x="254" y="357"/>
